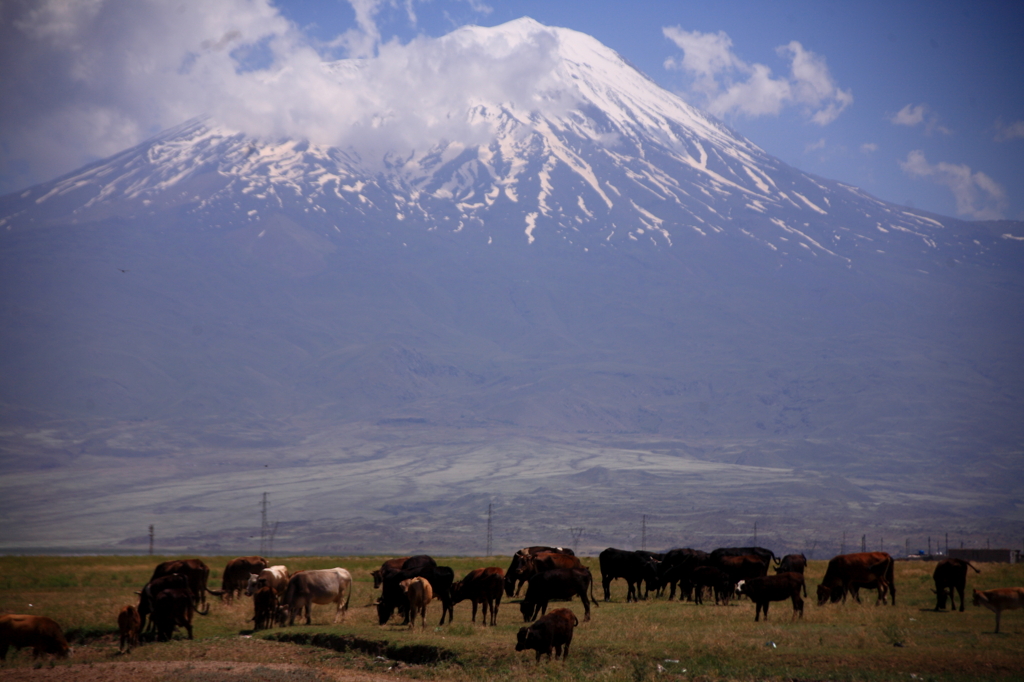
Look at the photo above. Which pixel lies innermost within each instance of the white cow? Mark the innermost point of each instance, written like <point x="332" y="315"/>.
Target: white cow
<point x="321" y="586"/>
<point x="275" y="577"/>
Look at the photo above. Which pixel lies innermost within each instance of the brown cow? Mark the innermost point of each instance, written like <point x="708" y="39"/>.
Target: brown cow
<point x="949" y="575"/>
<point x="419" y="593"/>
<point x="129" y="623"/>
<point x="514" y="579"/>
<point x="275" y="577"/>
<point x="39" y="632"/>
<point x="237" y="572"/>
<point x="552" y="630"/>
<point x="867" y="569"/>
<point x="264" y="605"/>
<point x="195" y="571"/>
<point x="483" y="585"/>
<point x="389" y="566"/>
<point x="999" y="600"/>
<point x="792" y="563"/>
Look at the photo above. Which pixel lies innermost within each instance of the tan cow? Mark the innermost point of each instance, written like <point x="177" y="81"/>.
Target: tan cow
<point x="999" y="600"/>
<point x="419" y="593"/>
<point x="274" y="577"/>
<point x="39" y="632"/>
<point x="128" y="625"/>
<point x="321" y="586"/>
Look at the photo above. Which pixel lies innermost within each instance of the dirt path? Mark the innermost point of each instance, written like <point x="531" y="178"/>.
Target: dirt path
<point x="179" y="671"/>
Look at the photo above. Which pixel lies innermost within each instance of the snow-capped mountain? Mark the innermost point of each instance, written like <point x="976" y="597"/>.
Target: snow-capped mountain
<point x="581" y="289"/>
<point x="604" y="157"/>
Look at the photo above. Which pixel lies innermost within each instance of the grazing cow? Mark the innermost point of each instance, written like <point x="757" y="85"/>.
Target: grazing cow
<point x="419" y="593"/>
<point x="560" y="583"/>
<point x="237" y="572"/>
<point x="676" y="566"/>
<point x="846" y="571"/>
<point x="553" y="630"/>
<point x="483" y="586"/>
<point x="514" y="578"/>
<point x="274" y="577"/>
<point x="633" y="567"/>
<point x="389" y="566"/>
<point x="949" y="575"/>
<point x="39" y="632"/>
<point x="392" y="597"/>
<point x="999" y="600"/>
<point x="651" y="582"/>
<point x="320" y="586"/>
<point x="264" y="606"/>
<point x="763" y="591"/>
<point x="148" y="595"/>
<point x="792" y="563"/>
<point x="172" y="608"/>
<point x="708" y="577"/>
<point x="195" y="571"/>
<point x="129" y="624"/>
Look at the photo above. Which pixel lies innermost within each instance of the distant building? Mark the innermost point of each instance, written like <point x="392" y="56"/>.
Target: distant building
<point x="1004" y="556"/>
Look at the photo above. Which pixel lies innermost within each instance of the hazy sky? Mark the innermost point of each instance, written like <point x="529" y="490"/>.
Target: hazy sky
<point x="919" y="103"/>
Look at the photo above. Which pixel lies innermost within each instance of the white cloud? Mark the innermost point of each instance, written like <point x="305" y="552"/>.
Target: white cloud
<point x="912" y="115"/>
<point x="1009" y="131"/>
<point x="84" y="79"/>
<point x="868" y="148"/>
<point x="977" y="195"/>
<point x="815" y="146"/>
<point x="727" y="84"/>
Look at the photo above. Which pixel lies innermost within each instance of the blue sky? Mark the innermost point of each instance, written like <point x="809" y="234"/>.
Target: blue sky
<point x="920" y="103"/>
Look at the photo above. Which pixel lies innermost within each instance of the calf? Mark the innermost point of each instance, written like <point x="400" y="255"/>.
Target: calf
<point x="949" y="575"/>
<point x="264" y="604"/>
<point x="484" y="586"/>
<point x="553" y="630"/>
<point x="764" y="590"/>
<point x="39" y="632"/>
<point x="419" y="593"/>
<point x="999" y="600"/>
<point x="172" y="608"/>
<point x="129" y="623"/>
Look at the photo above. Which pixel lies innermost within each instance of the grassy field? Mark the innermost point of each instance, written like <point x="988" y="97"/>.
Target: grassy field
<point x="656" y="639"/>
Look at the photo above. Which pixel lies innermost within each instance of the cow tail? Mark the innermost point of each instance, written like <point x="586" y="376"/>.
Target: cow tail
<point x="972" y="566"/>
<point x="576" y="621"/>
<point x="592" y="597"/>
<point x="348" y="598"/>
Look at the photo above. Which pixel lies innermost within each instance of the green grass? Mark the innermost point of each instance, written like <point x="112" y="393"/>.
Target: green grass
<point x="651" y="640"/>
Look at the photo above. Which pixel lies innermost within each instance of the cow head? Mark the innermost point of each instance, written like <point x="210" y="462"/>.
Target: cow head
<point x="252" y="585"/>
<point x="378" y="578"/>
<point x="739" y="587"/>
<point x="523" y="639"/>
<point x="824" y="594"/>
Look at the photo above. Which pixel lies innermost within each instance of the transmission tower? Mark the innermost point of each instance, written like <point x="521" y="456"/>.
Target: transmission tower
<point x="643" y="535"/>
<point x="576" y="533"/>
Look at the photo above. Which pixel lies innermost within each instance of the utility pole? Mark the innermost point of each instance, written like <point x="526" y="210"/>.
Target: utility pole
<point x="755" y="533"/>
<point x="643" y="534"/>
<point x="151" y="535"/>
<point x="864" y="542"/>
<point x="929" y="545"/>
<point x="947" y="544"/>
<point x="490" y="537"/>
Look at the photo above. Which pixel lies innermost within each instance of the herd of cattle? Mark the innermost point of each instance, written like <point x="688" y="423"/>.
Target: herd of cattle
<point x="177" y="590"/>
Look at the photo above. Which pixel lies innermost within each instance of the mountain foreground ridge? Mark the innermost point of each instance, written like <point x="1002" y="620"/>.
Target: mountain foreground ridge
<point x="584" y="302"/>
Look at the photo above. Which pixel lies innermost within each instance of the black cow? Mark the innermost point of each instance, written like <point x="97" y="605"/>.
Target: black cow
<point x="677" y="564"/>
<point x="561" y="583"/>
<point x="633" y="567"/>
<point x="148" y="595"/>
<point x="949" y="575"/>
<point x="792" y="563"/>
<point x="708" y="576"/>
<point x="172" y="608"/>
<point x="762" y="591"/>
<point x="766" y="555"/>
<point x="393" y="597"/>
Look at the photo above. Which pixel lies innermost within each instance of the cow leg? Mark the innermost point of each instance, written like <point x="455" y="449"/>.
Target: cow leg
<point x="606" y="583"/>
<point x="961" y="591"/>
<point x="798" y="606"/>
<point x="474" y="612"/>
<point x="309" y="612"/>
<point x="999" y="614"/>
